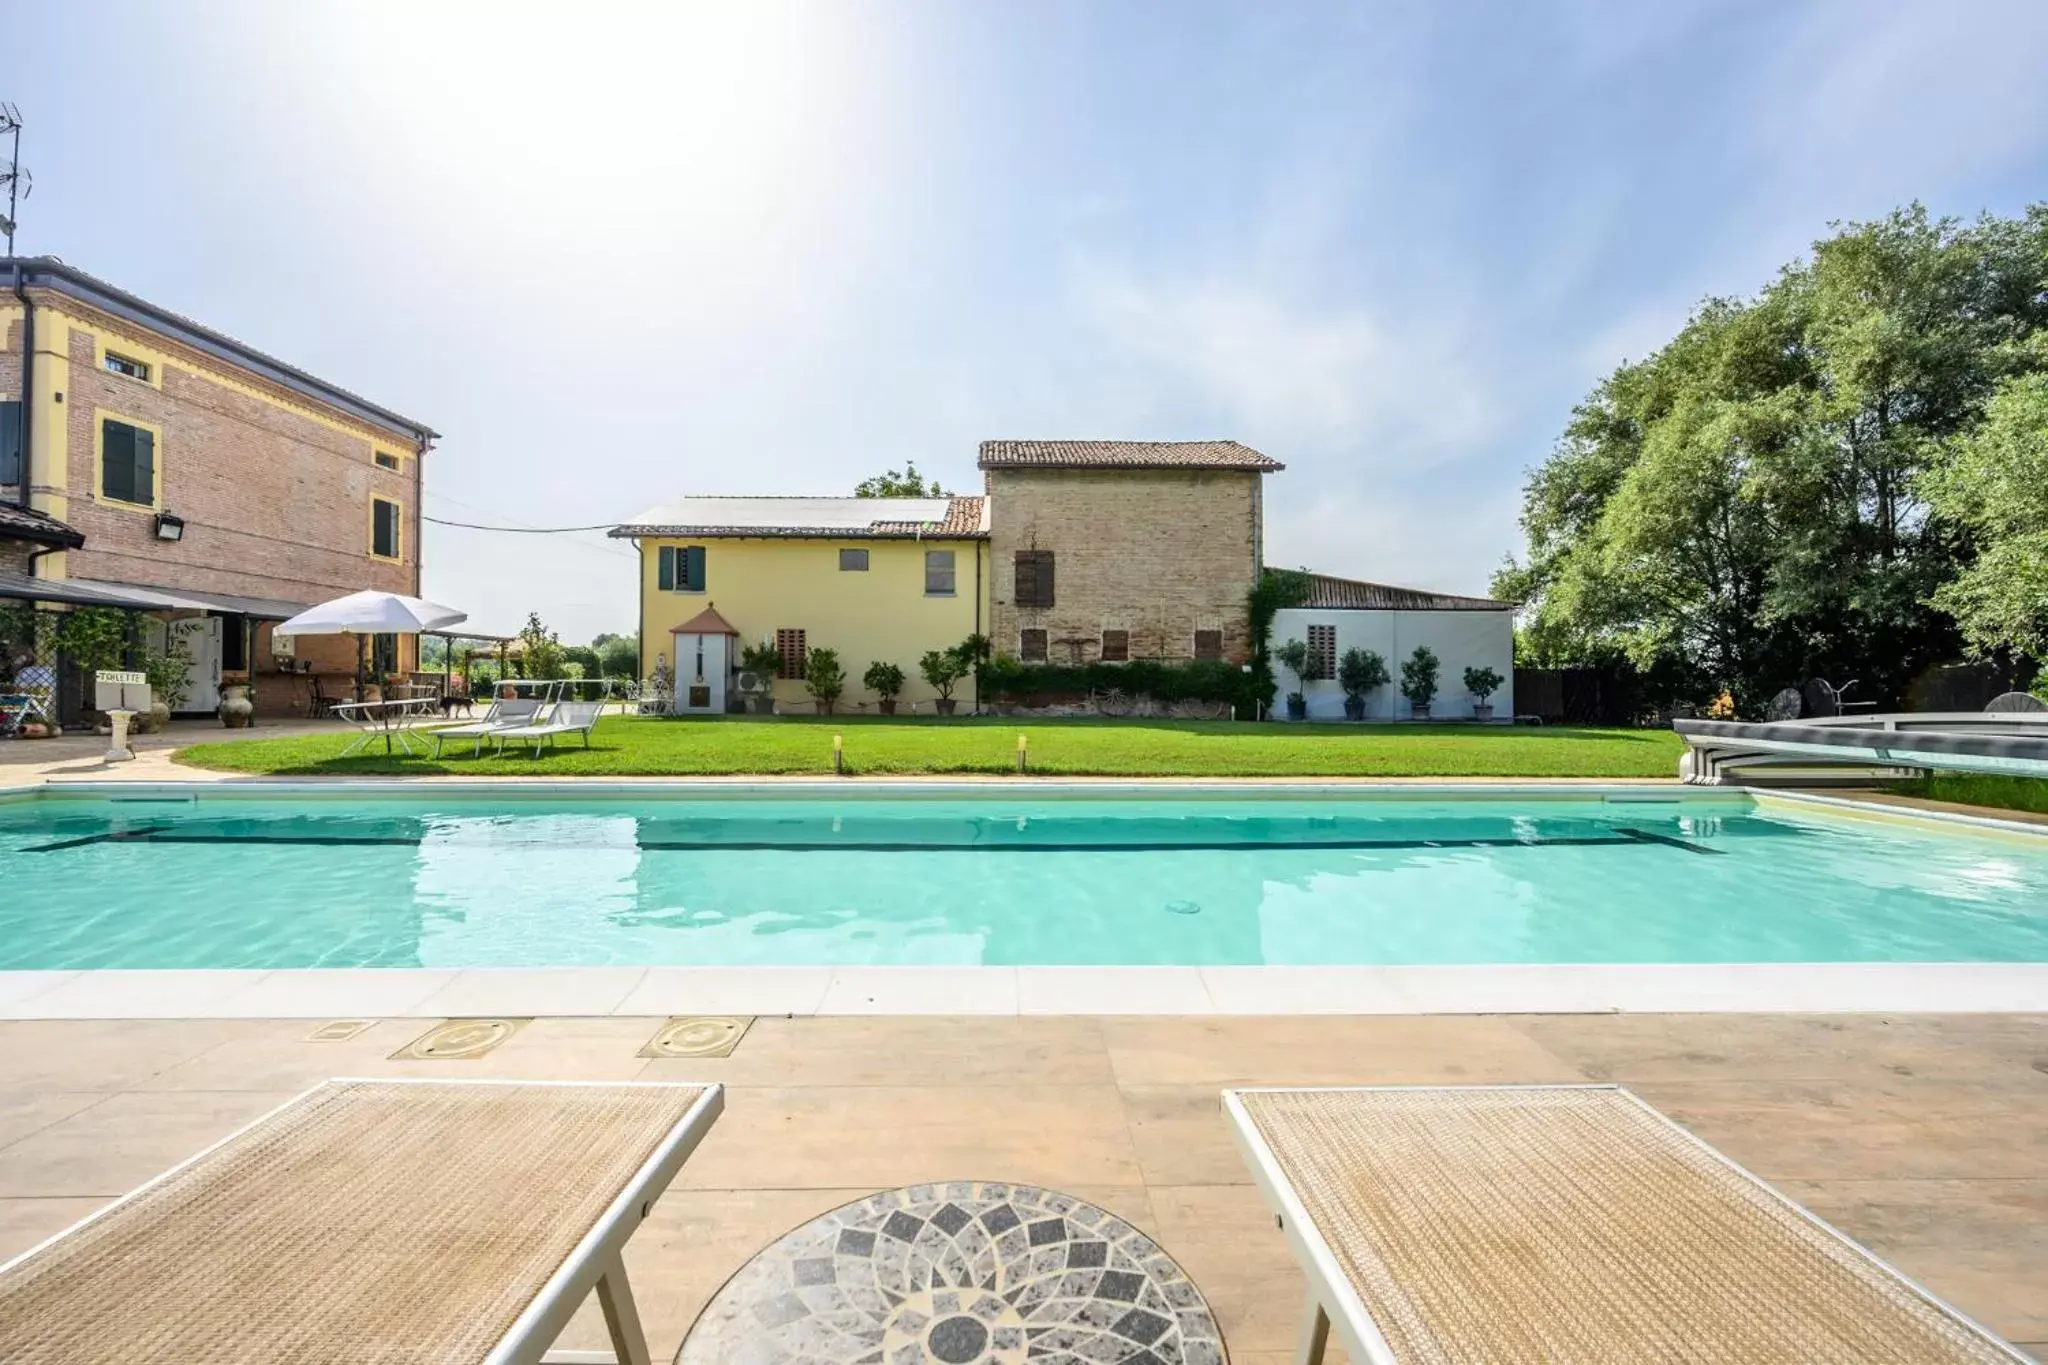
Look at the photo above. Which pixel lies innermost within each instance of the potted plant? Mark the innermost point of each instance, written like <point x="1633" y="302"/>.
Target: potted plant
<point x="1482" y="683"/>
<point x="170" y="682"/>
<point x="885" y="680"/>
<point x="824" y="677"/>
<point x="1293" y="656"/>
<point x="1360" y="671"/>
<point x="943" y="668"/>
<point x="763" y="660"/>
<point x="1418" y="681"/>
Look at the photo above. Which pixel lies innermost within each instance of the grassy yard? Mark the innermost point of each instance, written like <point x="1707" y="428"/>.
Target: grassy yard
<point x="1983" y="789"/>
<point x="634" y="747"/>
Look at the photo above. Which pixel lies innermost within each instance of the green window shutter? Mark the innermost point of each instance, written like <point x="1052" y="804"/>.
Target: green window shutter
<point x="10" y="441"/>
<point x="145" y="465"/>
<point x="665" y="576"/>
<point x="693" y="568"/>
<point x="117" y="461"/>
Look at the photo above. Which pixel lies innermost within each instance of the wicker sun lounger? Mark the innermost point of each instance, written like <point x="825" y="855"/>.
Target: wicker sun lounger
<point x="1566" y="1224"/>
<point x="394" y="1222"/>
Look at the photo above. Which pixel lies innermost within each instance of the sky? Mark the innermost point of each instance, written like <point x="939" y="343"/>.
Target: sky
<point x="621" y="253"/>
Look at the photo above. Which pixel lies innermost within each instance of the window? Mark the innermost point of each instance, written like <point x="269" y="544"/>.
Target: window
<point x="1031" y="646"/>
<point x="1116" y="646"/>
<point x="1034" y="578"/>
<point x="10" y="440"/>
<point x="853" y="561"/>
<point x="790" y="645"/>
<point x="1322" y="651"/>
<point x="1208" y="644"/>
<point x="386" y="460"/>
<point x="383" y="655"/>
<point x="384" y="539"/>
<point x="938" y="573"/>
<point x="121" y="364"/>
<point x="681" y="568"/>
<point x="127" y="463"/>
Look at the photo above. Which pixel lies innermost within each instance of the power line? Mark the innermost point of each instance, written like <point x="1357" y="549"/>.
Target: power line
<point x="519" y="530"/>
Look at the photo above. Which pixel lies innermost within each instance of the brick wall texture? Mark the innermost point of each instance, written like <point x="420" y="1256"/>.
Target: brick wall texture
<point x="1160" y="553"/>
<point x="276" y="502"/>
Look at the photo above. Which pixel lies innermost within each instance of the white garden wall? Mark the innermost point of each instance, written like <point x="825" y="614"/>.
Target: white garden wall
<point x="1460" y="639"/>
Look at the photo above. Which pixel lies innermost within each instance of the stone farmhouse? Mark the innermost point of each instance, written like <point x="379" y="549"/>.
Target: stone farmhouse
<point x="1075" y="552"/>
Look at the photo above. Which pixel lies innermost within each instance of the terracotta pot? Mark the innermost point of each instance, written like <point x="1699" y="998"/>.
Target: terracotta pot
<point x="1482" y="710"/>
<point x="946" y="705"/>
<point x="236" y="710"/>
<point x="1419" y="710"/>
<point x="887" y="706"/>
<point x="159" y="716"/>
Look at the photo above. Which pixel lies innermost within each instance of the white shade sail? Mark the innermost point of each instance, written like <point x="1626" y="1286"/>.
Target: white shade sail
<point x="372" y="613"/>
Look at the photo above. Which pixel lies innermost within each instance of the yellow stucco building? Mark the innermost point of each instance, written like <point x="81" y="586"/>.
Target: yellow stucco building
<point x="875" y="579"/>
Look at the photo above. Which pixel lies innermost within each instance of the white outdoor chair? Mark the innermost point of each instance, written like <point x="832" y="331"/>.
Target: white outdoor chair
<point x="568" y="718"/>
<point x="504" y="714"/>
<point x="409" y="1221"/>
<point x="1562" y="1223"/>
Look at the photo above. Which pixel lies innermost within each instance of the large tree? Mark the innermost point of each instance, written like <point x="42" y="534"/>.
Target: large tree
<point x="906" y="483"/>
<point x="1994" y="484"/>
<point x="1746" y="507"/>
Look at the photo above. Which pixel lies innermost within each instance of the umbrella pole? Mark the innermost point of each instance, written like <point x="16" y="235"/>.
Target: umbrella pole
<point x="360" y="640"/>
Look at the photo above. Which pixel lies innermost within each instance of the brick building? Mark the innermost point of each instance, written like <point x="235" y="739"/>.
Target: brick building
<point x="217" y="489"/>
<point x="1123" y="549"/>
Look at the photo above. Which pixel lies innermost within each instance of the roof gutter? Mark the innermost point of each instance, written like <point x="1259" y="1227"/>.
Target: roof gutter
<point x="28" y="407"/>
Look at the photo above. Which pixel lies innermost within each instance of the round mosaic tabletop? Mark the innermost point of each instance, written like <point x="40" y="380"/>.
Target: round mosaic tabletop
<point x="961" y="1273"/>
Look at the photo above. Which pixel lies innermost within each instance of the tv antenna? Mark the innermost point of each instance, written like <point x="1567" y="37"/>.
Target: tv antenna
<point x="17" y="181"/>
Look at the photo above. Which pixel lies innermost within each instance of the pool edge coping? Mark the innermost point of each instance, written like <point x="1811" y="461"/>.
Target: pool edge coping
<point x="806" y="991"/>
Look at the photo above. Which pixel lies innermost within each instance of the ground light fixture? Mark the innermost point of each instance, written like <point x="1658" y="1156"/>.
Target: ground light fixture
<point x="170" y="526"/>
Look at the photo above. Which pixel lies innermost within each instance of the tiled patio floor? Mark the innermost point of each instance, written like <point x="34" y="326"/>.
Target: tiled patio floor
<point x="1926" y="1137"/>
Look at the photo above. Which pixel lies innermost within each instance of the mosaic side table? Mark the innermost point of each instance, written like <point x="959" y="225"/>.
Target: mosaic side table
<point x="959" y="1273"/>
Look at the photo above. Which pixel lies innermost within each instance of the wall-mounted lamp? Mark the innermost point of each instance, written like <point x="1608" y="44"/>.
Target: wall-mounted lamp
<point x="169" y="526"/>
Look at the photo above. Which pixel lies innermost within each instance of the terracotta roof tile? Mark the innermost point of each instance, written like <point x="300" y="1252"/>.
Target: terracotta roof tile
<point x="777" y="518"/>
<point x="1124" y="455"/>
<point x="26" y="523"/>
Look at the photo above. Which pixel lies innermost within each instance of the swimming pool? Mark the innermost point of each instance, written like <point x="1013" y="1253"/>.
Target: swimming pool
<point x="996" y="877"/>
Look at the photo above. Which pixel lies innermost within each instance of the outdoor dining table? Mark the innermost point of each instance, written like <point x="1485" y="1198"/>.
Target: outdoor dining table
<point x="394" y="717"/>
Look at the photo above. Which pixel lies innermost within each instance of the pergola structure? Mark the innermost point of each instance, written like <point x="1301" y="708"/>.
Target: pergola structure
<point x="448" y="639"/>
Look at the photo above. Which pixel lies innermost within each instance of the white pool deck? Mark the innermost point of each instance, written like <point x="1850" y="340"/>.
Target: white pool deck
<point x="1570" y="988"/>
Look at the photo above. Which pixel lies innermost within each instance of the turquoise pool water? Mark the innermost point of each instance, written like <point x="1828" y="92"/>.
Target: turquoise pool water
<point x="427" y="880"/>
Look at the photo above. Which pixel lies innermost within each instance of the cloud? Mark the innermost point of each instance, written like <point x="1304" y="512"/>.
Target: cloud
<point x="1273" y="367"/>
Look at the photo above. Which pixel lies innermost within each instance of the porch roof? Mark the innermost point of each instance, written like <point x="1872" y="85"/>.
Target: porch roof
<point x="705" y="622"/>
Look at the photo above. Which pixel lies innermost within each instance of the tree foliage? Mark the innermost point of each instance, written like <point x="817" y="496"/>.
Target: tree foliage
<point x="906" y="483"/>
<point x="1993" y="484"/>
<point x="618" y="655"/>
<point x="1751" y="505"/>
<point x="825" y="676"/>
<point x="540" y="649"/>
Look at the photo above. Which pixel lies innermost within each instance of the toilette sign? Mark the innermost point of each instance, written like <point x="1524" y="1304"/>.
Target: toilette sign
<point x="118" y="691"/>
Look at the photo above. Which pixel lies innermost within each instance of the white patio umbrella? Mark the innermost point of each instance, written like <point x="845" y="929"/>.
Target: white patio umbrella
<point x="371" y="613"/>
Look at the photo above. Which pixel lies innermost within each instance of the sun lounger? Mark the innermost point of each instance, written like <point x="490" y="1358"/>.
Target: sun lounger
<point x="505" y="714"/>
<point x="568" y="718"/>
<point x="397" y="1221"/>
<point x="1567" y="1224"/>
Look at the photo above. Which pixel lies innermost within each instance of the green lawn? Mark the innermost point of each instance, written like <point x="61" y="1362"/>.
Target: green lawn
<point x="1983" y="789"/>
<point x="634" y="747"/>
